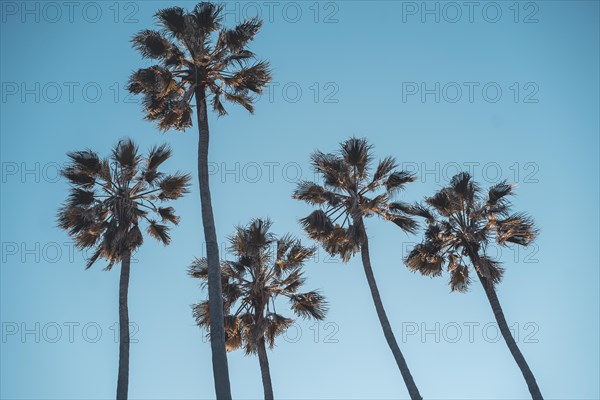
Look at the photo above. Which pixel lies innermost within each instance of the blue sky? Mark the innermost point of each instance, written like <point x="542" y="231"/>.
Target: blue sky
<point x="511" y="92"/>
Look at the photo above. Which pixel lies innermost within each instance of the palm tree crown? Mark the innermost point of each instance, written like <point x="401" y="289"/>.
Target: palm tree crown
<point x="265" y="268"/>
<point x="461" y="222"/>
<point x="351" y="192"/>
<point x="188" y="61"/>
<point x="109" y="198"/>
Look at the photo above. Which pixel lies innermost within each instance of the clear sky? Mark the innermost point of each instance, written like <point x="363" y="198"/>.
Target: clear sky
<point x="507" y="90"/>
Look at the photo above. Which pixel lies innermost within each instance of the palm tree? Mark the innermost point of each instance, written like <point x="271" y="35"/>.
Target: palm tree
<point x="108" y="201"/>
<point x="191" y="66"/>
<point x="266" y="268"/>
<point x="461" y="221"/>
<point x="350" y="194"/>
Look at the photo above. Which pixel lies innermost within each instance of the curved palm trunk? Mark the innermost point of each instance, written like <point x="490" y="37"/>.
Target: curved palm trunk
<point x="508" y="338"/>
<point x="215" y="298"/>
<point x="264" y="369"/>
<point x="413" y="391"/>
<point x="123" y="377"/>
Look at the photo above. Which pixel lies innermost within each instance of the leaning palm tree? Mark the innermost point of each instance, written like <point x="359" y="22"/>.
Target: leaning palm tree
<point x="109" y="199"/>
<point x="265" y="269"/>
<point x="198" y="59"/>
<point x="350" y="194"/>
<point x="461" y="222"/>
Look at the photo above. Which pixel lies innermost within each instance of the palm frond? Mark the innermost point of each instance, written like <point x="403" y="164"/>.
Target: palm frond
<point x="76" y="219"/>
<point x="159" y="232"/>
<point x="464" y="187"/>
<point x="253" y="78"/>
<point x="156" y="81"/>
<point x="425" y="260"/>
<point x="173" y="20"/>
<point x="405" y="223"/>
<point x="443" y="203"/>
<point x="176" y="118"/>
<point x="309" y="305"/>
<point x="233" y="334"/>
<point x="335" y="172"/>
<point x="342" y="242"/>
<point x="422" y="211"/>
<point x="125" y="154"/>
<point x="167" y="214"/>
<point x="86" y="162"/>
<point x="174" y="186"/>
<point x="490" y="269"/>
<point x="292" y="282"/>
<point x="384" y="168"/>
<point x="401" y="208"/>
<point x="237" y="38"/>
<point x="88" y="238"/>
<point x="276" y="325"/>
<point x="459" y="274"/>
<point x="518" y="228"/>
<point x="199" y="269"/>
<point x="217" y="105"/>
<point x="151" y="44"/>
<point x="241" y="98"/>
<point x="201" y="314"/>
<point x="240" y="58"/>
<point x="317" y="224"/>
<point x="93" y="258"/>
<point x="81" y="197"/>
<point x="315" y="194"/>
<point x="356" y="153"/>
<point x="377" y="204"/>
<point x="498" y="192"/>
<point x="397" y="180"/>
<point x="157" y="156"/>
<point x="207" y="17"/>
<point x="79" y="178"/>
<point x="298" y="255"/>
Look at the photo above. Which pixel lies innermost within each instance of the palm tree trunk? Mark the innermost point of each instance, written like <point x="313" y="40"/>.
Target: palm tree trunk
<point x="264" y="369"/>
<point x="123" y="377"/>
<point x="215" y="298"/>
<point x="413" y="391"/>
<point x="490" y="292"/>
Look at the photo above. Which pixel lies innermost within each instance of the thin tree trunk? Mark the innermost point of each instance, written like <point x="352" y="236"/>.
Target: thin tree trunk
<point x="264" y="369"/>
<point x="123" y="377"/>
<point x="505" y="330"/>
<point x="215" y="298"/>
<point x="413" y="391"/>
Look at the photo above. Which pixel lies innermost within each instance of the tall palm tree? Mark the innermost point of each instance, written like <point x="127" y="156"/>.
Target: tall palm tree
<point x="266" y="268"/>
<point x="350" y="194"/>
<point x="461" y="222"/>
<point x="198" y="59"/>
<point x="108" y="201"/>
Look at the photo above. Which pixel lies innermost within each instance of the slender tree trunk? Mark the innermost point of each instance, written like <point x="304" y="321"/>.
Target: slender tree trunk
<point x="215" y="298"/>
<point x="123" y="378"/>
<point x="490" y="292"/>
<point x="264" y="369"/>
<point x="413" y="391"/>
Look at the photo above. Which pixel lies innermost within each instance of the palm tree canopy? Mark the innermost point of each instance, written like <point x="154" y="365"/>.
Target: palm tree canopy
<point x="109" y="197"/>
<point x="352" y="190"/>
<point x="194" y="51"/>
<point x="264" y="269"/>
<point x="462" y="220"/>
